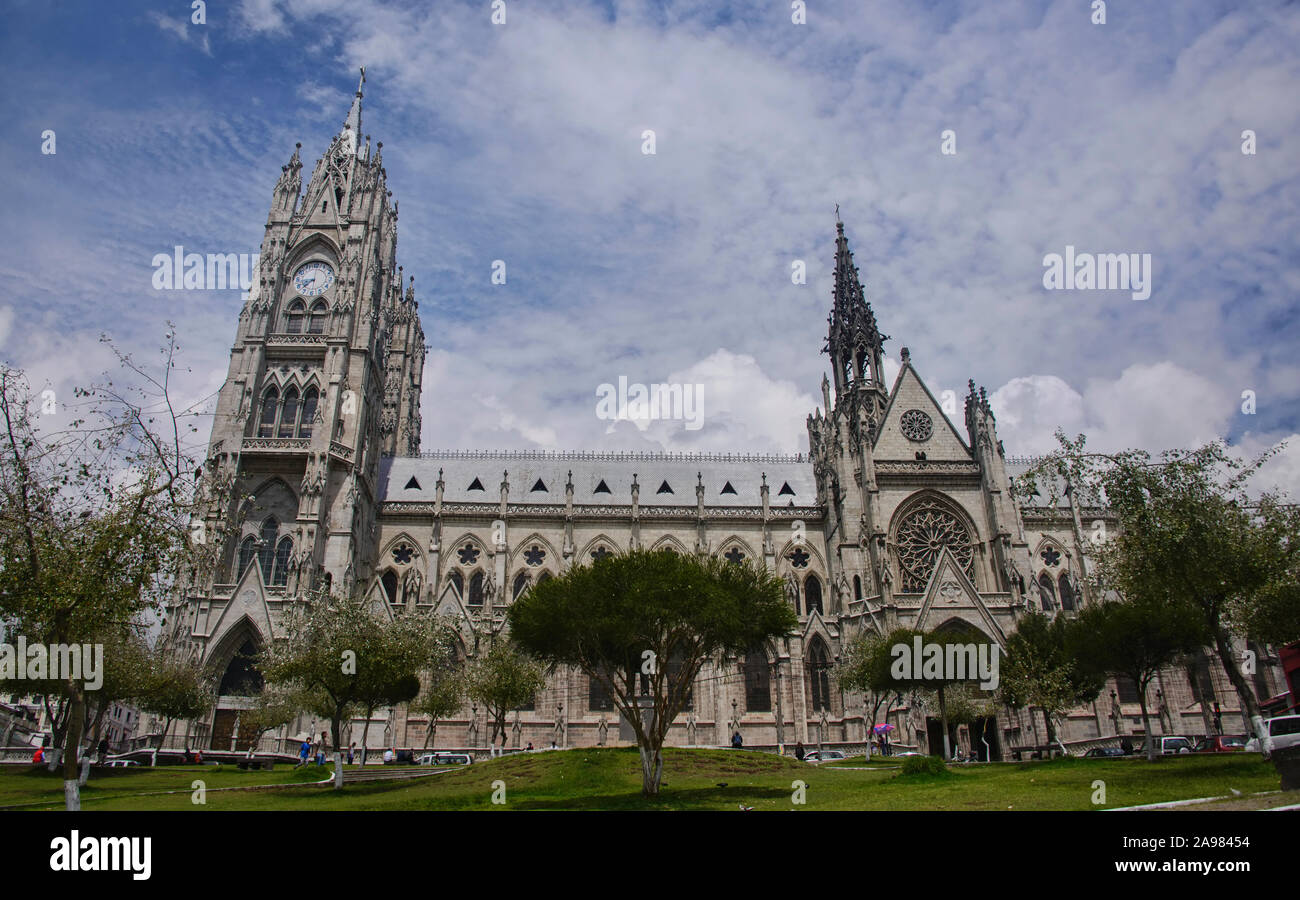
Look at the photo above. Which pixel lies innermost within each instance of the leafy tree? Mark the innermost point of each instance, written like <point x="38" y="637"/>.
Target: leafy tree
<point x="652" y="619"/>
<point x="176" y="687"/>
<point x="901" y="673"/>
<point x="274" y="706"/>
<point x="340" y="658"/>
<point x="1194" y="542"/>
<point x="502" y="679"/>
<point x="1133" y="638"/>
<point x="93" y="518"/>
<point x="1038" y="670"/>
<point x="444" y="695"/>
<point x="865" y="667"/>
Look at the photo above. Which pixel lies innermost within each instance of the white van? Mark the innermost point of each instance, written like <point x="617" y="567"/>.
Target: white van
<point x="445" y="759"/>
<point x="1168" y="745"/>
<point x="1284" y="730"/>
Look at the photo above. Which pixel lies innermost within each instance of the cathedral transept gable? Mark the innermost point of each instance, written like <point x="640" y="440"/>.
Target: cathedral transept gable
<point x="914" y="423"/>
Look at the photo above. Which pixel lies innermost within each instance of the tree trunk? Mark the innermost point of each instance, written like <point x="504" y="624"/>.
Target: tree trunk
<point x="1146" y="724"/>
<point x="1244" y="693"/>
<point x="71" y="777"/>
<point x="652" y="766"/>
<point x="431" y="732"/>
<point x="943" y="725"/>
<point x="162" y="739"/>
<point x="780" y="710"/>
<point x="336" y="729"/>
<point x="365" y="730"/>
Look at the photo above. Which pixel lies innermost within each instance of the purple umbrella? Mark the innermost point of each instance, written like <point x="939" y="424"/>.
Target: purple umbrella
<point x="881" y="729"/>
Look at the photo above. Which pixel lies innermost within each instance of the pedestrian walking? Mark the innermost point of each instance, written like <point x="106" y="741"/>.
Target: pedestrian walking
<point x="799" y="752"/>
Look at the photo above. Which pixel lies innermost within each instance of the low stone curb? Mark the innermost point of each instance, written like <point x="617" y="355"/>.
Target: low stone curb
<point x="1172" y="804"/>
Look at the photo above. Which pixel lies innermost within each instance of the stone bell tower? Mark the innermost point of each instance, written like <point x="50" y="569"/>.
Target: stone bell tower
<point x="324" y="377"/>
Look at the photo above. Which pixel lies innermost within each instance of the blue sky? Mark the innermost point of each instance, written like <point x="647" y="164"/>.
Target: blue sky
<point x="522" y="142"/>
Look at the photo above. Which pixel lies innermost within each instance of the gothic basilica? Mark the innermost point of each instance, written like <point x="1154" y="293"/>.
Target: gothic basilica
<point x="314" y="481"/>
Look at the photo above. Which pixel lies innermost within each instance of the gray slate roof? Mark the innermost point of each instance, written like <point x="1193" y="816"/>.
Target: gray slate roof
<point x="460" y="468"/>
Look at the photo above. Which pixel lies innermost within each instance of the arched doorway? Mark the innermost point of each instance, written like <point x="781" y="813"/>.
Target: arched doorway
<point x="241" y="680"/>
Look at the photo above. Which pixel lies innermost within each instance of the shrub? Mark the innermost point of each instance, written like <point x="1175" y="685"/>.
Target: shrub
<point x="924" y="765"/>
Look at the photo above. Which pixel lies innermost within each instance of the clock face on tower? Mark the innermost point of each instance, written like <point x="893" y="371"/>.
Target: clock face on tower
<point x="313" y="278"/>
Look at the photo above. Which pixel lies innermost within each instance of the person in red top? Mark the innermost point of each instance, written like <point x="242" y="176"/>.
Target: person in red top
<point x="39" y="756"/>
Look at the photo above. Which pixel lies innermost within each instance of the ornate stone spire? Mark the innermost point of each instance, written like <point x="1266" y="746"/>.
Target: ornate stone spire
<point x="855" y="344"/>
<point x="353" y="121"/>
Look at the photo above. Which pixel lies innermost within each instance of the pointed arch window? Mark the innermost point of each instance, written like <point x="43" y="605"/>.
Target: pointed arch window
<point x="294" y="320"/>
<point x="758" y="682"/>
<point x="819" y="675"/>
<point x="389" y="581"/>
<point x="284" y="550"/>
<point x="308" y="418"/>
<point x="812" y="592"/>
<point x="266" y="548"/>
<point x="458" y="582"/>
<point x="1046" y="592"/>
<point x="288" y="413"/>
<point x="247" y="553"/>
<point x="270" y="406"/>
<point x="316" y="324"/>
<point x="1067" y="592"/>
<point x="241" y="677"/>
<point x="857" y="587"/>
<point x="476" y="589"/>
<point x="521" y="585"/>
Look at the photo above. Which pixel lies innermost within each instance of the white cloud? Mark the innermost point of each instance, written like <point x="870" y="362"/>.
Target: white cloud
<point x="1150" y="405"/>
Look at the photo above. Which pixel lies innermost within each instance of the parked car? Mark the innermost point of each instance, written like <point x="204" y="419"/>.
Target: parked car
<point x="1284" y="730"/>
<point x="1104" y="753"/>
<point x="813" y="756"/>
<point x="1170" y="745"/>
<point x="445" y="759"/>
<point x="1223" y="743"/>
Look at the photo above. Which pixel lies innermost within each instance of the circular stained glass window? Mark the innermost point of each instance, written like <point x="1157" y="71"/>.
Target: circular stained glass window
<point x="916" y="425"/>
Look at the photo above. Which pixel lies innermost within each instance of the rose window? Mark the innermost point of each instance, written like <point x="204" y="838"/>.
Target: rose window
<point x="928" y="529"/>
<point x="916" y="425"/>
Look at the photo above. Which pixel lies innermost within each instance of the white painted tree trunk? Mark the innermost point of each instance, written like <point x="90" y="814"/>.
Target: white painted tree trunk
<point x="71" y="796"/>
<point x="85" y="770"/>
<point x="338" y="769"/>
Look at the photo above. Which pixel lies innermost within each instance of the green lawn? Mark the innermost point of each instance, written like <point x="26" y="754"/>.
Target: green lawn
<point x="694" y="779"/>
